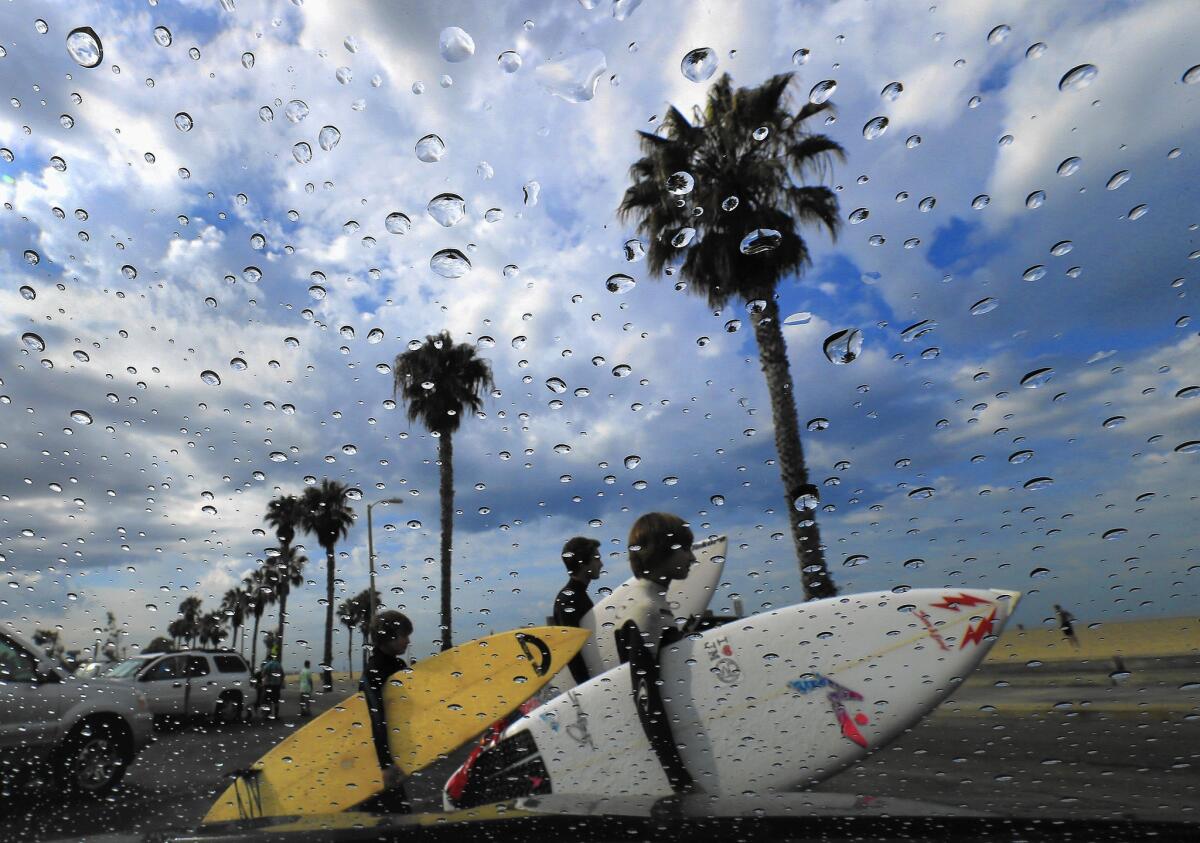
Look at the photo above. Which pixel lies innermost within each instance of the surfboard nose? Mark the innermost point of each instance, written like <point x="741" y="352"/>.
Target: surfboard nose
<point x="1009" y="599"/>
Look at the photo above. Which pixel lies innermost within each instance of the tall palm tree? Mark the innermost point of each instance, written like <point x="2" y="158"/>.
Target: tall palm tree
<point x="177" y="629"/>
<point x="189" y="610"/>
<point x="751" y="189"/>
<point x="284" y="514"/>
<point x="328" y="516"/>
<point x="350" y="614"/>
<point x="439" y="381"/>
<point x="211" y="629"/>
<point x="256" y="599"/>
<point x="233" y="607"/>
<point x="364" y="598"/>
<point x="284" y="571"/>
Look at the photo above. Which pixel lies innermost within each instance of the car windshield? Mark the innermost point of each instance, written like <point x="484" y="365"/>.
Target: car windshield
<point x="122" y="670"/>
<point x="778" y="400"/>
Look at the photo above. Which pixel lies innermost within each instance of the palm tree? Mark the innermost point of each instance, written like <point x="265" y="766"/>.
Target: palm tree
<point x="284" y="571"/>
<point x="189" y="610"/>
<point x="257" y="597"/>
<point x="211" y="629"/>
<point x="439" y="381"/>
<point x="233" y="607"/>
<point x="177" y="629"/>
<point x="328" y="516"/>
<point x="748" y="155"/>
<point x="350" y="613"/>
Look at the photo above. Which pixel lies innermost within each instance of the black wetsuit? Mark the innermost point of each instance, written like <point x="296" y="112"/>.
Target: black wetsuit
<point x="570" y="605"/>
<point x="380" y="668"/>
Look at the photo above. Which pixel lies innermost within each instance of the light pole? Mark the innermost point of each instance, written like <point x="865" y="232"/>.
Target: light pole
<point x="371" y="563"/>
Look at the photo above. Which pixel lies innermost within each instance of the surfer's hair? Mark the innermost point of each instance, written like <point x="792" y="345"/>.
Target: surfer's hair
<point x="654" y="537"/>
<point x="391" y="625"/>
<point x="578" y="551"/>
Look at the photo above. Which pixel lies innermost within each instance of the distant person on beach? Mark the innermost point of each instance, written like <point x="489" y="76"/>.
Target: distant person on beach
<point x="581" y="556"/>
<point x="1066" y="624"/>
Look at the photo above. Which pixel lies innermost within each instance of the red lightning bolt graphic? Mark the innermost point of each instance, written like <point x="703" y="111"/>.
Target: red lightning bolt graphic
<point x="975" y="633"/>
<point x="952" y="603"/>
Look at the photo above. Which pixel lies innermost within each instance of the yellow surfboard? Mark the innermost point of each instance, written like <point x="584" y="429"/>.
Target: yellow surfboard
<point x="433" y="708"/>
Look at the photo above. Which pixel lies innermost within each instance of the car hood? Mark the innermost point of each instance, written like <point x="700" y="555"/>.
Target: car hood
<point x="793" y="816"/>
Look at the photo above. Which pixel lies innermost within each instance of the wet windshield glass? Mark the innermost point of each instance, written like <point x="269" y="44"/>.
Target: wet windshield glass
<point x="833" y="366"/>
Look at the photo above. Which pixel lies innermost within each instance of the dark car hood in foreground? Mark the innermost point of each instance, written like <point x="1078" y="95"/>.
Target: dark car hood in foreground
<point x="800" y="816"/>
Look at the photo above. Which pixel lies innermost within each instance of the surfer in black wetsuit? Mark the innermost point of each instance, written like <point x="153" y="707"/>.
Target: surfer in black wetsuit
<point x="390" y="635"/>
<point x="581" y="555"/>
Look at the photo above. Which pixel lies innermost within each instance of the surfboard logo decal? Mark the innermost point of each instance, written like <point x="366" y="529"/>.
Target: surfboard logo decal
<point x="578" y="731"/>
<point x="933" y="631"/>
<point x="541" y="663"/>
<point x="975" y="633"/>
<point x="952" y="602"/>
<point x="849" y="723"/>
<point x="721" y="661"/>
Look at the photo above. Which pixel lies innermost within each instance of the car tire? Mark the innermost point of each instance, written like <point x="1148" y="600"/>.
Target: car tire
<point x="94" y="758"/>
<point x="228" y="710"/>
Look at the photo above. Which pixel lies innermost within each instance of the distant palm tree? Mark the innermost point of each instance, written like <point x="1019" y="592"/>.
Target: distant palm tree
<point x="256" y="599"/>
<point x="328" y="516"/>
<point x="211" y="629"/>
<point x="748" y="155"/>
<point x="189" y="610"/>
<point x="177" y="629"/>
<point x="350" y="614"/>
<point x="284" y="571"/>
<point x="439" y="381"/>
<point x="233" y="607"/>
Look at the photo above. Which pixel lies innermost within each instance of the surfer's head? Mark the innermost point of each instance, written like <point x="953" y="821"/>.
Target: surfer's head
<point x="660" y="547"/>
<point x="391" y="632"/>
<point x="581" y="555"/>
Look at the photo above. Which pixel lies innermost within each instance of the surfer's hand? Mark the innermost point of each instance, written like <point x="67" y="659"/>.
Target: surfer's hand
<point x="392" y="777"/>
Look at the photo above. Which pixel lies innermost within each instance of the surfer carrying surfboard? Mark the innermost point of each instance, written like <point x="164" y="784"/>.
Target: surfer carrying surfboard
<point x="581" y="556"/>
<point x="389" y="637"/>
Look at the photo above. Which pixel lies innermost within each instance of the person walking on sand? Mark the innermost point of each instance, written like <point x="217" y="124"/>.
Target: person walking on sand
<point x="272" y="679"/>
<point x="1066" y="624"/>
<point x="581" y="556"/>
<point x="306" y="689"/>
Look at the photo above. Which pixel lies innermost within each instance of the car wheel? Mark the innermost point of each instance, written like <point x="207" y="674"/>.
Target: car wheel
<point x="94" y="758"/>
<point x="229" y="710"/>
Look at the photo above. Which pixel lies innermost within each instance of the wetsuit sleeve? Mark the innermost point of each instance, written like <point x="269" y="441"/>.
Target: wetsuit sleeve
<point x="644" y="681"/>
<point x="569" y="610"/>
<point x="372" y="687"/>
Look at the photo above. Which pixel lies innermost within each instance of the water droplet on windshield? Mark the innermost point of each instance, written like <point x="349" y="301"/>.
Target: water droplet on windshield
<point x="680" y="184"/>
<point x="1038" y="483"/>
<point x="83" y="44"/>
<point x="556" y="385"/>
<point x="329" y="137"/>
<point x="1035" y="199"/>
<point x="1034" y="273"/>
<point x="1113" y="421"/>
<point x="183" y="121"/>
<point x="983" y="306"/>
<point x="455" y="44"/>
<point x="397" y="223"/>
<point x="699" y="64"/>
<point x="892" y="91"/>
<point x="683" y="238"/>
<point x="237" y="364"/>
<point x="875" y="127"/>
<point x="447" y="208"/>
<point x="509" y="61"/>
<point x="375" y="335"/>
<point x="1035" y="51"/>
<point x="858" y="215"/>
<point x="632" y="461"/>
<point x="980" y="202"/>
<point x="1018" y="457"/>
<point x="450" y="263"/>
<point x="210" y="377"/>
<point x="999" y="34"/>
<point x="295" y="111"/>
<point x="302" y="152"/>
<point x="634" y="250"/>
<point x="1078" y="78"/>
<point x="800" y="57"/>
<point x="844" y="346"/>
<point x="1037" y="378"/>
<point x="248" y="60"/>
<point x="531" y="190"/>
<point x="760" y="240"/>
<point x="822" y="91"/>
<point x="430" y="149"/>
<point x="619" y="283"/>
<point x="573" y="78"/>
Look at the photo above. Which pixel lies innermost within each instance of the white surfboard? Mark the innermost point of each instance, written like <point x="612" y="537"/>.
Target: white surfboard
<point x="768" y="703"/>
<point x="686" y="597"/>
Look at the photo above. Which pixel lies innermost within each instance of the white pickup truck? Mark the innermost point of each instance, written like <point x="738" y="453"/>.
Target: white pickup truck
<point x="84" y="733"/>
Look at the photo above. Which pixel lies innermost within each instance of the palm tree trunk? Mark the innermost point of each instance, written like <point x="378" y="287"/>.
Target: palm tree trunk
<point x="283" y="595"/>
<point x="350" y="653"/>
<point x="446" y="460"/>
<point x="327" y="667"/>
<point x="772" y="352"/>
<point x="254" y="645"/>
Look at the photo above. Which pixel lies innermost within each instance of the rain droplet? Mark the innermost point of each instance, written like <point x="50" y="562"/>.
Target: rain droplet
<point x="1114" y="534"/>
<point x="622" y="370"/>
<point x="822" y="91"/>
<point x="32" y="258"/>
<point x="1118" y="178"/>
<point x="1035" y="199"/>
<point x="493" y="215"/>
<point x="817" y="424"/>
<point x="699" y="64"/>
<point x="760" y="240"/>
<point x="1188" y="392"/>
<point x="1078" y="78"/>
<point x="531" y="190"/>
<point x="430" y="149"/>
<point x="875" y="127"/>
<point x="33" y="342"/>
<point x="729" y="203"/>
<point x="265" y="114"/>
<point x="556" y="385"/>
<point x="162" y="36"/>
<point x="800" y="57"/>
<point x="803" y="317"/>
<point x="252" y="275"/>
<point x="1039" y="573"/>
<point x="344" y="75"/>
<point x="210" y="377"/>
<point x="509" y="61"/>
<point x="237" y="364"/>
<point x="295" y="111"/>
<point x="1113" y="421"/>
<point x="1035" y="51"/>
<point x="81" y="417"/>
<point x="397" y="223"/>
<point x="634" y="250"/>
<point x="1192" y="75"/>
<point x="619" y="284"/>
<point x="29" y="294"/>
<point x="1037" y="378"/>
<point x="683" y="238"/>
<point x="302" y="152"/>
<point x="1038" y="483"/>
<point x="921" y="492"/>
<point x="84" y="46"/>
<point x="183" y="121"/>
<point x="450" y="263"/>
<point x="375" y="335"/>
<point x="573" y="78"/>
<point x="926" y="204"/>
<point x="844" y="346"/>
<point x="1191" y="447"/>
<point x="1138" y="211"/>
<point x="247" y="60"/>
<point x="329" y="137"/>
<point x="980" y="202"/>
<point x="983" y="306"/>
<point x="858" y="215"/>
<point x="447" y="209"/>
<point x="680" y="183"/>
<point x="1018" y="457"/>
<point x="455" y="44"/>
<point x="999" y="34"/>
<point x="892" y="91"/>
<point x="1034" y="273"/>
<point x="632" y="461"/>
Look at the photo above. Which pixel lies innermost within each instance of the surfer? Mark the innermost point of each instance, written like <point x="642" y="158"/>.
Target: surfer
<point x="1066" y="625"/>
<point x="581" y="556"/>
<point x="389" y="637"/>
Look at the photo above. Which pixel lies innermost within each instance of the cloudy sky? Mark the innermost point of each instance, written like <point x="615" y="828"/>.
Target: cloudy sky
<point x="161" y="221"/>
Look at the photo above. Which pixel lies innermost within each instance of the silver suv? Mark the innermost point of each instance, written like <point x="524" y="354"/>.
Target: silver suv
<point x="83" y="733"/>
<point x="188" y="683"/>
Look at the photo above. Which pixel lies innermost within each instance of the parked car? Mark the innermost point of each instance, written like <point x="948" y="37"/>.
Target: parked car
<point x="83" y="733"/>
<point x="91" y="670"/>
<point x="188" y="683"/>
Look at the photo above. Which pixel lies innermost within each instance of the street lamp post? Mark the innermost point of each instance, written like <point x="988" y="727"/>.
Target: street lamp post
<point x="371" y="563"/>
